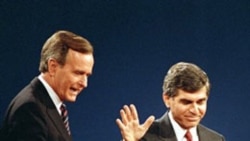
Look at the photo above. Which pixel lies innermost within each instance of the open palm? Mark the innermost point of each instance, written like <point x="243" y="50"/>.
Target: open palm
<point x="129" y="124"/>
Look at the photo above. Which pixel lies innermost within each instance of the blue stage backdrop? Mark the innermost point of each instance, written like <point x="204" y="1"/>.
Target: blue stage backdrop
<point x="135" y="43"/>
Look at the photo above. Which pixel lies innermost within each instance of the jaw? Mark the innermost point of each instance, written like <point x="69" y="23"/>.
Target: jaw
<point x="71" y="96"/>
<point x="188" y="122"/>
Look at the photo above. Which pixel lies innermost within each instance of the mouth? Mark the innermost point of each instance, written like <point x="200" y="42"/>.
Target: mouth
<point x="75" y="90"/>
<point x="193" y="118"/>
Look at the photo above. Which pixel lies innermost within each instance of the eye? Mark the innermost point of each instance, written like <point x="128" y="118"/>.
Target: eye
<point x="79" y="72"/>
<point x="185" y="101"/>
<point x="201" y="101"/>
<point x="82" y="73"/>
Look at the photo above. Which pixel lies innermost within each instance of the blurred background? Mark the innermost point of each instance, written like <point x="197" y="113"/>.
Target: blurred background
<point x="135" y="43"/>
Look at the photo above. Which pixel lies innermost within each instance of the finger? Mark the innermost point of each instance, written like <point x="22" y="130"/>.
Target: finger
<point x="122" y="128"/>
<point x="134" y="112"/>
<point x="148" y="122"/>
<point x="120" y="124"/>
<point x="127" y="112"/>
<point x="123" y="117"/>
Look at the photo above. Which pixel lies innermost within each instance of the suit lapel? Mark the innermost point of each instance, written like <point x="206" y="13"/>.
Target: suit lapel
<point x="55" y="117"/>
<point x="50" y="108"/>
<point x="202" y="133"/>
<point x="166" y="131"/>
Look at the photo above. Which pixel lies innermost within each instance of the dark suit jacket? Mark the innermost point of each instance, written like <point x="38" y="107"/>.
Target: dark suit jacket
<point x="32" y="116"/>
<point x="162" y="130"/>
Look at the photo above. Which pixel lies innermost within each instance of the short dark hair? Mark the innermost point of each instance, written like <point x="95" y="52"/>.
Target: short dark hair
<point x="185" y="76"/>
<point x="57" y="47"/>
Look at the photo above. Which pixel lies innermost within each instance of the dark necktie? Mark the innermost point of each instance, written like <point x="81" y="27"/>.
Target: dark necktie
<point x="188" y="136"/>
<point x="65" y="117"/>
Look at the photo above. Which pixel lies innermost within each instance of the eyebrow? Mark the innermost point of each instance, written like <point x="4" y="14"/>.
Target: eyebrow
<point x="187" y="100"/>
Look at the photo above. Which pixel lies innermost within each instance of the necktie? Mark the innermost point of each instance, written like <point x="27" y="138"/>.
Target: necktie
<point x="188" y="136"/>
<point x="65" y="117"/>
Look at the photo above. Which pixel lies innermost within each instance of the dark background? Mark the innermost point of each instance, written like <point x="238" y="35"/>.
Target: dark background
<point x="135" y="43"/>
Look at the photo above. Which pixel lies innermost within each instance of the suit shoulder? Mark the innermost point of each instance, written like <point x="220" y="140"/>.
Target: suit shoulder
<point x="29" y="99"/>
<point x="32" y="93"/>
<point x="205" y="131"/>
<point x="154" y="128"/>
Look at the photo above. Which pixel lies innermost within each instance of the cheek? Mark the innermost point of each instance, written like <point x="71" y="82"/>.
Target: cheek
<point x="67" y="79"/>
<point x="203" y="109"/>
<point x="63" y="85"/>
<point x="179" y="109"/>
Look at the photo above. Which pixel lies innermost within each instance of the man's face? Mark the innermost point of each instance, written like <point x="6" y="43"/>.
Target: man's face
<point x="187" y="108"/>
<point x="69" y="80"/>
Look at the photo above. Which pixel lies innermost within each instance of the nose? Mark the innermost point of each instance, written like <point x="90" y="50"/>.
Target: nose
<point x="194" y="108"/>
<point x="84" y="81"/>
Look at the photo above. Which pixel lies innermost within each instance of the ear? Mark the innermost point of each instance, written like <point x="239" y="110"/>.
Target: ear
<point x="166" y="99"/>
<point x="52" y="66"/>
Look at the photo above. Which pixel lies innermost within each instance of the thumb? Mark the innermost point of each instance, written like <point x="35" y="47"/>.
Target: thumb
<point x="148" y="122"/>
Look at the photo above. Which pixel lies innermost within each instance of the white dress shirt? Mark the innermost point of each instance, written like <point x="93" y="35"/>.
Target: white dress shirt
<point x="180" y="132"/>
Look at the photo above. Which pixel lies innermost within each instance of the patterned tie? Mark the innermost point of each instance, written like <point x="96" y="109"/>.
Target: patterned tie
<point x="65" y="117"/>
<point x="188" y="136"/>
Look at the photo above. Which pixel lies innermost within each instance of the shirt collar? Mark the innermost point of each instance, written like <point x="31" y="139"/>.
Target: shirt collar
<point x="56" y="100"/>
<point x="179" y="131"/>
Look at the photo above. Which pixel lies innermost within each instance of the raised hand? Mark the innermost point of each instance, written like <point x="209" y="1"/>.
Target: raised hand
<point x="129" y="124"/>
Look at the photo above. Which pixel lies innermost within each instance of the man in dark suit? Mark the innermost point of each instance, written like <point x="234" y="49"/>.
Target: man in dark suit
<point x="185" y="93"/>
<point x="34" y="114"/>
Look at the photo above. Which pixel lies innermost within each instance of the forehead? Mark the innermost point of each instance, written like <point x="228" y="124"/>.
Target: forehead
<point x="199" y="94"/>
<point x="79" y="60"/>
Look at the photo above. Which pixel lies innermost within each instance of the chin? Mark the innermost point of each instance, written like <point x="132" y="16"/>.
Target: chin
<point x="71" y="99"/>
<point x="190" y="125"/>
